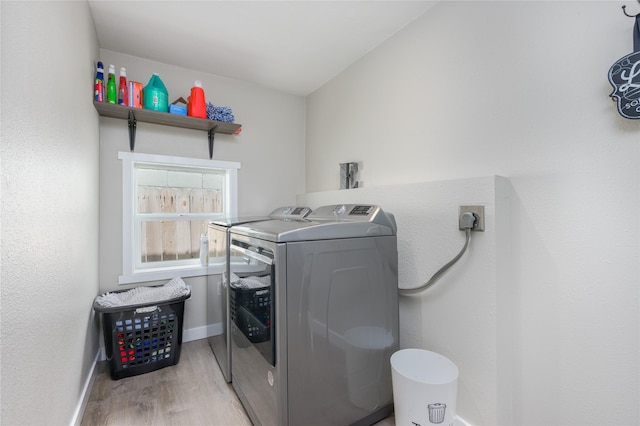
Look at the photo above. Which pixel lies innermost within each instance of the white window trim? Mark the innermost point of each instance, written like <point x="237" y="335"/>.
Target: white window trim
<point x="129" y="159"/>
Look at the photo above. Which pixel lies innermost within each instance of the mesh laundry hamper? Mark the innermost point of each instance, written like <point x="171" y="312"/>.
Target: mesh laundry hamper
<point x="142" y="338"/>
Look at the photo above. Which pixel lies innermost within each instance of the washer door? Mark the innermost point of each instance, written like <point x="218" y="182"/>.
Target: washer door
<point x="251" y="301"/>
<point x="252" y="317"/>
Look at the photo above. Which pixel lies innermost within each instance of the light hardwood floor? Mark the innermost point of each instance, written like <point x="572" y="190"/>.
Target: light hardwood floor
<point x="191" y="393"/>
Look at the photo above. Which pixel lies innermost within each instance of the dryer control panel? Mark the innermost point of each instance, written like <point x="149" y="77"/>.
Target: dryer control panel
<point x="290" y="213"/>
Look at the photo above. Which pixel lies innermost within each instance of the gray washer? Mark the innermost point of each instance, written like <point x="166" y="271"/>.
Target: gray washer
<point x="319" y="353"/>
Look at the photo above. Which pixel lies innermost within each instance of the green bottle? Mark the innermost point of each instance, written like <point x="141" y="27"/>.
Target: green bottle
<point x="112" y="88"/>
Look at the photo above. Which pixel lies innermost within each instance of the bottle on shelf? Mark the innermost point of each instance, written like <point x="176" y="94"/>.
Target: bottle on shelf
<point x="196" y="105"/>
<point x="123" y="97"/>
<point x="112" y="91"/>
<point x="155" y="95"/>
<point x="204" y="249"/>
<point x="99" y="86"/>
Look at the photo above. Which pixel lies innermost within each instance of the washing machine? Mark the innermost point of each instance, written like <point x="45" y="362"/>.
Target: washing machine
<point x="314" y="316"/>
<point x="218" y="283"/>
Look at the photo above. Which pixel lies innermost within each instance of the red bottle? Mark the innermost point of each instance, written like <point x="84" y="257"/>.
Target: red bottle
<point x="123" y="97"/>
<point x="196" y="106"/>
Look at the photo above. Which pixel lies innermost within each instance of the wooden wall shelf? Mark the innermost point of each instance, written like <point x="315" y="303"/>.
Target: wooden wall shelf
<point x="133" y="115"/>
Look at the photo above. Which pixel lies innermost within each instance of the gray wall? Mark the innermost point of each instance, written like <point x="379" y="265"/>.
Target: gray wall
<point x="49" y="210"/>
<point x="517" y="89"/>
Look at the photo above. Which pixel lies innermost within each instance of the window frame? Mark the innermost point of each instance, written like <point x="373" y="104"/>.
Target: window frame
<point x="131" y="234"/>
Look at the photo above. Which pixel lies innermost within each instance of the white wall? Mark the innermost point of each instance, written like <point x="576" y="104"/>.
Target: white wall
<point x="464" y="307"/>
<point x="49" y="210"/>
<point x="270" y="149"/>
<point x="517" y="89"/>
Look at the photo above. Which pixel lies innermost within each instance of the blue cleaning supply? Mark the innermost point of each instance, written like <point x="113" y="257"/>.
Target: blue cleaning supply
<point x="219" y="113"/>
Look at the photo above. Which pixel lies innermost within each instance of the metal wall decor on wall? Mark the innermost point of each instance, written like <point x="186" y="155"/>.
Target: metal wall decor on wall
<point x="624" y="76"/>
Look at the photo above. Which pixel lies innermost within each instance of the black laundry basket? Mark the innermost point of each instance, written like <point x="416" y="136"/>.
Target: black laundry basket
<point x="142" y="338"/>
<point x="251" y="312"/>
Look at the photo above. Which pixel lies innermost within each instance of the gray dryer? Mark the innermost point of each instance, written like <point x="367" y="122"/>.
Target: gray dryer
<point x="218" y="283"/>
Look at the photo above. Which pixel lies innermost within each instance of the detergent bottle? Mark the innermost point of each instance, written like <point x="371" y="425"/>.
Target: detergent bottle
<point x="204" y="249"/>
<point x="196" y="105"/>
<point x="112" y="91"/>
<point x="123" y="97"/>
<point x="155" y="95"/>
<point x="99" y="86"/>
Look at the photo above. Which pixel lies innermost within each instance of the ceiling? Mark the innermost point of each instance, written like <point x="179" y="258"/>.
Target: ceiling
<point x="291" y="46"/>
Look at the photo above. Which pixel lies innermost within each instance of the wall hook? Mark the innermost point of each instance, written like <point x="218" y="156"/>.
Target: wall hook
<point x="624" y="10"/>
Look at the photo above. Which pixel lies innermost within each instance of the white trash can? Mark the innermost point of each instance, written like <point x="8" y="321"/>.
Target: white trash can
<point x="425" y="386"/>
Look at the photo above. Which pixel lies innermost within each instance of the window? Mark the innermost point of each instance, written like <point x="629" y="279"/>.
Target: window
<point x="167" y="204"/>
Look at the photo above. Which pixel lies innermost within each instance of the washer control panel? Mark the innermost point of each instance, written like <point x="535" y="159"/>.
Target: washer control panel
<point x="361" y="210"/>
<point x="347" y="212"/>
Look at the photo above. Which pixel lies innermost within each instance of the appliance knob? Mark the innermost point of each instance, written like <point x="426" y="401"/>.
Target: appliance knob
<point x="340" y="210"/>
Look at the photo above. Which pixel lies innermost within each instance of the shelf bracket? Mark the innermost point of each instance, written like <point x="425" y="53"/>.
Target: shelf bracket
<point x="212" y="132"/>
<point x="132" y="130"/>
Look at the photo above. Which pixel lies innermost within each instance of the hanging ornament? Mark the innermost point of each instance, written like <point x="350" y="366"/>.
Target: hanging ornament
<point x="624" y="76"/>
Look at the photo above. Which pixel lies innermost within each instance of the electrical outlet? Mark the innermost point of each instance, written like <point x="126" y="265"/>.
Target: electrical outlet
<point x="478" y="211"/>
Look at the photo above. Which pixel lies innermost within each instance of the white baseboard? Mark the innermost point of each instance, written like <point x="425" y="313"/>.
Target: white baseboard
<point x="76" y="420"/>
<point x="203" y="332"/>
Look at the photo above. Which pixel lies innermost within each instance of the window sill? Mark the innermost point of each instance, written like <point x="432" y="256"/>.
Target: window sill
<point x="169" y="273"/>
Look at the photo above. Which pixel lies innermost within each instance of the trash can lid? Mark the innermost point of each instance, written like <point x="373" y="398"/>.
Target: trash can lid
<point x="424" y="366"/>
